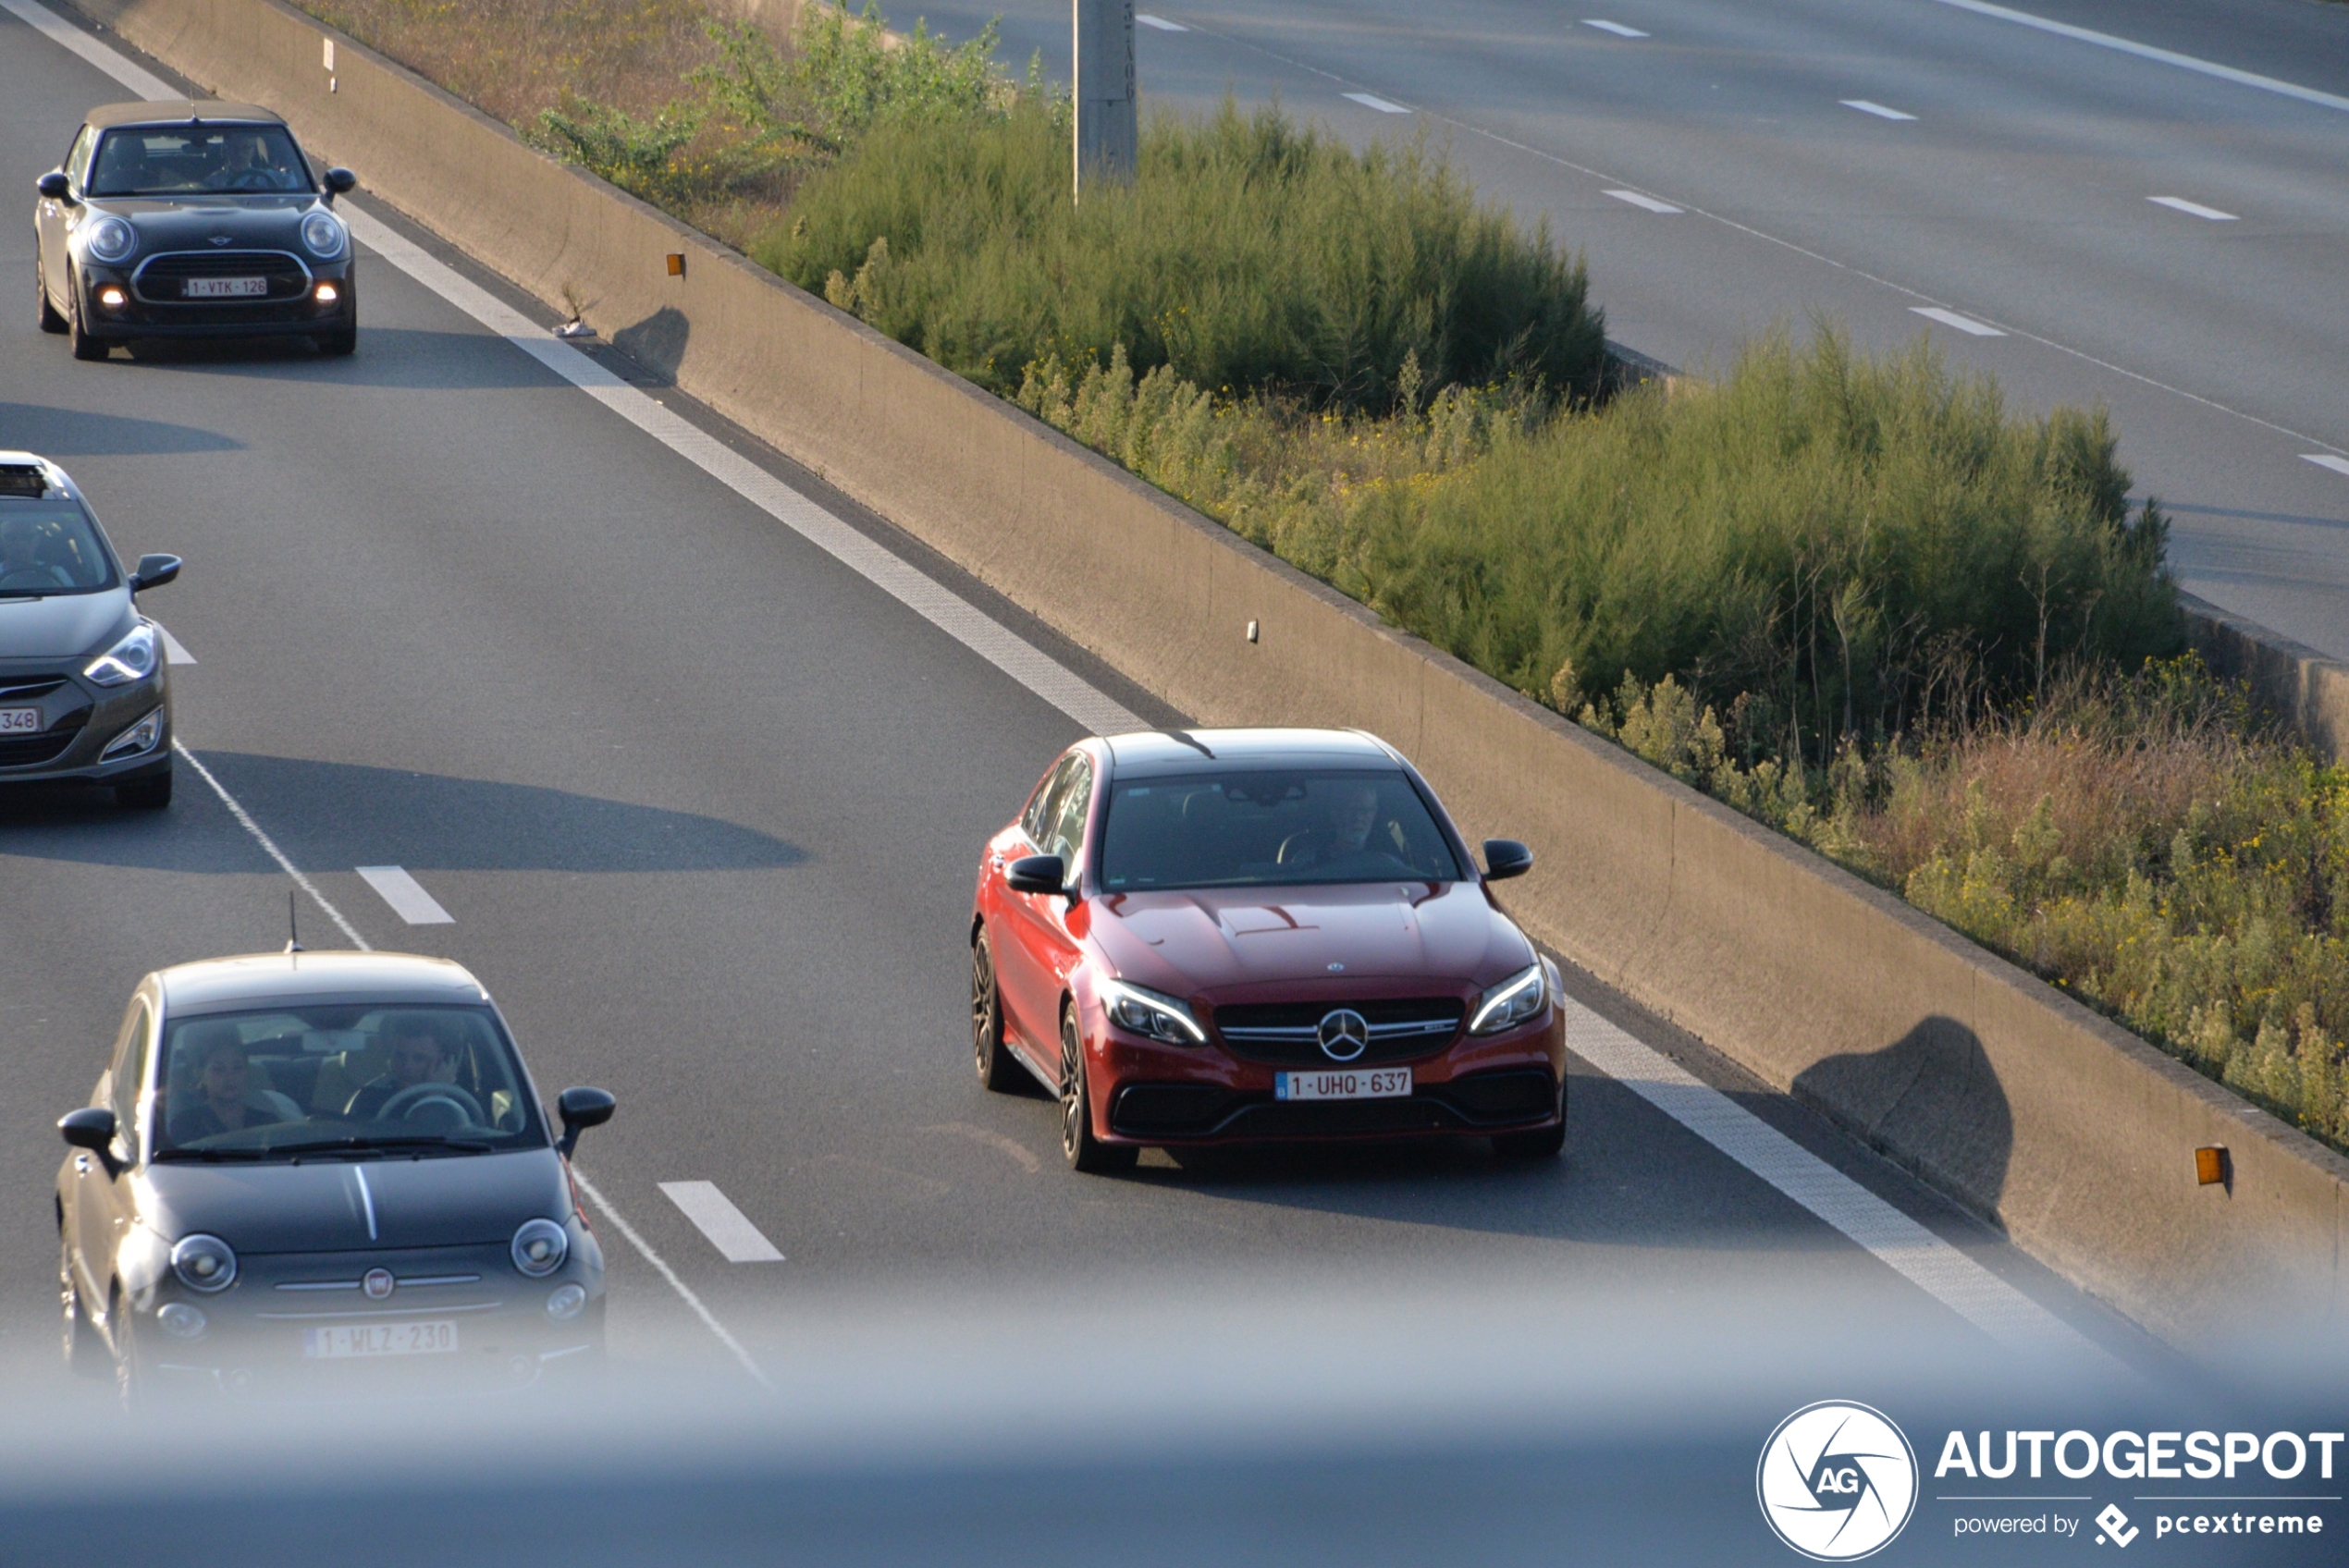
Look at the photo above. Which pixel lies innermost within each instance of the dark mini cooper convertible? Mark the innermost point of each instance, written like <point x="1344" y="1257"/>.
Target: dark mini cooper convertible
<point x="192" y="219"/>
<point x="323" y="1173"/>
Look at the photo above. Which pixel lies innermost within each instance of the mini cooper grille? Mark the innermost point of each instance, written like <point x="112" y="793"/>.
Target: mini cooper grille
<point x="1289" y="1033"/>
<point x="31" y="750"/>
<point x="162" y="280"/>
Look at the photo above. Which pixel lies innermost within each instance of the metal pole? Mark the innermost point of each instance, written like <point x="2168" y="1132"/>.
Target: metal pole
<point x="1107" y="129"/>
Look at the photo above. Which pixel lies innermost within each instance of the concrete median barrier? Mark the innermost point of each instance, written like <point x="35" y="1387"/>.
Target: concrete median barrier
<point x="2076" y="1136"/>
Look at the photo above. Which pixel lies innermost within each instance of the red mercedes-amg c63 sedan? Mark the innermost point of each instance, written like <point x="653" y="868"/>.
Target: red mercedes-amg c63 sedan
<point x="1213" y="936"/>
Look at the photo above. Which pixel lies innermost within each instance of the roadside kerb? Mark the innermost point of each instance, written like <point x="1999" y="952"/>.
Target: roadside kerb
<point x="2075" y="1135"/>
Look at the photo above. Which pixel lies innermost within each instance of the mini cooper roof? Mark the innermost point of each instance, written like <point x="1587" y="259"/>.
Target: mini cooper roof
<point x="1161" y="752"/>
<point x="181" y="111"/>
<point x="259" y="980"/>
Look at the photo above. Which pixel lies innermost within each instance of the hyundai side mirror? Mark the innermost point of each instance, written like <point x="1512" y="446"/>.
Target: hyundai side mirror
<point x="340" y="182"/>
<point x="56" y="186"/>
<point x="582" y="1108"/>
<point x="1037" y="874"/>
<point x="1505" y="858"/>
<point x="155" y="571"/>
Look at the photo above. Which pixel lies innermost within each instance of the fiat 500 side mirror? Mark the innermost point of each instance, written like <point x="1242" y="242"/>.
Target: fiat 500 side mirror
<point x="155" y="571"/>
<point x="340" y="182"/>
<point x="1035" y="873"/>
<point x="1505" y="858"/>
<point x="91" y="1127"/>
<point x="580" y="1110"/>
<point x="54" y="186"/>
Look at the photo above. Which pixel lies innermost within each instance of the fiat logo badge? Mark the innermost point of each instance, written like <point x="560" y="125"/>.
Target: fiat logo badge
<point x="377" y="1284"/>
<point x="1344" y="1035"/>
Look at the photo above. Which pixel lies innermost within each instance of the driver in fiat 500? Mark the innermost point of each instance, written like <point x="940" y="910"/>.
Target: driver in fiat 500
<point x="418" y="1056"/>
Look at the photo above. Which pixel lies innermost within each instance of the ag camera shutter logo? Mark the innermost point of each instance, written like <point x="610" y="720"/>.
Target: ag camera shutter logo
<point x="1837" y="1481"/>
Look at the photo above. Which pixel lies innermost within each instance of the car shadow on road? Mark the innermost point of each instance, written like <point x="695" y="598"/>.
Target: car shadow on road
<point x="412" y="359"/>
<point x="332" y="816"/>
<point x="73" y="433"/>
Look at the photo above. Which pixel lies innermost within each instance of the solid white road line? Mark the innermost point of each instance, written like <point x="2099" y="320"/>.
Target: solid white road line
<point x="406" y="896"/>
<point x="1616" y="27"/>
<point x="1371" y="100"/>
<point x="57" y="30"/>
<point x="270" y="845"/>
<point x="172" y="650"/>
<point x="2327" y="460"/>
<point x="1950" y="318"/>
<point x="1649" y="202"/>
<point x="1933" y="1265"/>
<point x="2147" y="52"/>
<point x="1869" y="106"/>
<point x="728" y="1228"/>
<point x="1159" y="22"/>
<point x="2193" y="209"/>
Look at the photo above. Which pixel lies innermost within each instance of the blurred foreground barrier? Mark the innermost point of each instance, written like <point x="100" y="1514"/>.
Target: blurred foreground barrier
<point x="2072" y="1133"/>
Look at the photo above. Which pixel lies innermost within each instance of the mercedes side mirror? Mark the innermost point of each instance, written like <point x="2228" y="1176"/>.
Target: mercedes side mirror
<point x="1035" y="873"/>
<point x="580" y="1110"/>
<point x="54" y="186"/>
<point x="155" y="571"/>
<point x="1505" y="858"/>
<point x="340" y="182"/>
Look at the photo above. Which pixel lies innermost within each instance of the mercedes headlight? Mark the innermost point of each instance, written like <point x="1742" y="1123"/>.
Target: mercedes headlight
<point x="204" y="1263"/>
<point x="133" y="659"/>
<point x="1511" y="1002"/>
<point x="322" y="236"/>
<point x="1159" y="1016"/>
<point x="109" y="239"/>
<point x="540" y="1247"/>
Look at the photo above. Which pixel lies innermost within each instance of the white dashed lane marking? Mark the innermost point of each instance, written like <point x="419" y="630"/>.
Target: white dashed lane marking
<point x="1869" y="106"/>
<point x="2327" y="460"/>
<point x="1159" y="22"/>
<point x="406" y="896"/>
<point x="728" y="1228"/>
<point x="1952" y="319"/>
<point x="1616" y="27"/>
<point x="172" y="649"/>
<point x="2192" y="209"/>
<point x="1649" y="202"/>
<point x="1371" y="100"/>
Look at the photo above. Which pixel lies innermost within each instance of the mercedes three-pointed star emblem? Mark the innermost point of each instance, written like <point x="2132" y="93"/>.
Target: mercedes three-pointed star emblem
<point x="1344" y="1035"/>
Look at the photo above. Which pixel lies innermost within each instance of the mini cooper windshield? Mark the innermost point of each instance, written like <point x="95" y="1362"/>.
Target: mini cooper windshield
<point x="48" y="548"/>
<point x="180" y="160"/>
<point x="291" y="1082"/>
<point x="1243" y="829"/>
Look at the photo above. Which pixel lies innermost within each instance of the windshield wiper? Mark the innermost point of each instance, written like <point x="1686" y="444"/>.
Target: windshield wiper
<point x="214" y="1155"/>
<point x="370" y="1145"/>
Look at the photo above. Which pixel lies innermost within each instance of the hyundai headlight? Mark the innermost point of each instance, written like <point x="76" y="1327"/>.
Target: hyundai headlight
<point x="109" y="239"/>
<point x="1511" y="1003"/>
<point x="322" y="236"/>
<point x="204" y="1263"/>
<point x="1159" y="1016"/>
<point x="133" y="659"/>
<point x="540" y="1247"/>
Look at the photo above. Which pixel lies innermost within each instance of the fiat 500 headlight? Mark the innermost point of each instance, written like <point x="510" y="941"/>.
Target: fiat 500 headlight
<point x="540" y="1247"/>
<point x="322" y="236"/>
<point x="203" y="1263"/>
<point x="1511" y="1003"/>
<point x="1141" y="1012"/>
<point x="133" y="659"/>
<point x="109" y="239"/>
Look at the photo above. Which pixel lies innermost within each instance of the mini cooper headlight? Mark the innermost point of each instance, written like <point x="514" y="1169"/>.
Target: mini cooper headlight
<point x="1511" y="1002"/>
<point x="322" y="236"/>
<point x="133" y="659"/>
<point x="204" y="1263"/>
<point x="540" y="1247"/>
<point x="109" y="239"/>
<point x="1150" y="1012"/>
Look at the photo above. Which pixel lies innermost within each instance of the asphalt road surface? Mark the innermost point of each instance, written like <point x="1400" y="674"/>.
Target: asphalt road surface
<point x="703" y="807"/>
<point x="2020" y="189"/>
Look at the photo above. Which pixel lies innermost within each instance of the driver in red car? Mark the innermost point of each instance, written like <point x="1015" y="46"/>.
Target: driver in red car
<point x="1352" y="807"/>
<point x="417" y="1057"/>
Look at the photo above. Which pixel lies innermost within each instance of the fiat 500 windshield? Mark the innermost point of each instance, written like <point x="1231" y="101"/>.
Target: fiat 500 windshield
<point x="283" y="1084"/>
<point x="47" y="549"/>
<point x="181" y="159"/>
<point x="1243" y="829"/>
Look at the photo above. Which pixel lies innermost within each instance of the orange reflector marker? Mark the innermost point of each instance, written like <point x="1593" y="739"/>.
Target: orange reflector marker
<point x="2211" y="1166"/>
<point x="676" y="263"/>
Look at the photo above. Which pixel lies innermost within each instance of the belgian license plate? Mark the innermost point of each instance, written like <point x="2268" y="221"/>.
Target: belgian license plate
<point x="20" y="721"/>
<point x="344" y="1340"/>
<point x="1343" y="1084"/>
<point x="224" y="288"/>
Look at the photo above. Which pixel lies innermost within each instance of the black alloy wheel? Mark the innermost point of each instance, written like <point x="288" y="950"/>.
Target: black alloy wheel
<point x="1085" y="1152"/>
<point x="51" y="320"/>
<point x="997" y="1070"/>
<point x="84" y="346"/>
<point x="84" y="1355"/>
<point x="151" y="793"/>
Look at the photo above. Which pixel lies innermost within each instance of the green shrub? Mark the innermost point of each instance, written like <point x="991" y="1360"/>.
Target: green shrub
<point x="1250" y="254"/>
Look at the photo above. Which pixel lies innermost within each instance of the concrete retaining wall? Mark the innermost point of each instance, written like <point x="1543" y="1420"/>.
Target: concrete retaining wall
<point x="2075" y="1135"/>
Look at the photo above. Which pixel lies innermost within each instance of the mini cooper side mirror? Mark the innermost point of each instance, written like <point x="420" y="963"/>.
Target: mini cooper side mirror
<point x="582" y="1108"/>
<point x="340" y="182"/>
<point x="1505" y="858"/>
<point x="155" y="571"/>
<point x="54" y="186"/>
<point x="1035" y="873"/>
